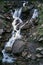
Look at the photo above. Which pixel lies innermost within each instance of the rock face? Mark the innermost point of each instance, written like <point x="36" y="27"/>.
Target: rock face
<point x="18" y="46"/>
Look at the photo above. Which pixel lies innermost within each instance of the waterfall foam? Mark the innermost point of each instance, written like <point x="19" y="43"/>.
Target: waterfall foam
<point x="17" y="12"/>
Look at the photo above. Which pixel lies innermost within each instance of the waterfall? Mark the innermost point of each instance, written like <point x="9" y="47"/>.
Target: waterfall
<point x="15" y="35"/>
<point x="35" y="13"/>
<point x="17" y="12"/>
<point x="34" y="16"/>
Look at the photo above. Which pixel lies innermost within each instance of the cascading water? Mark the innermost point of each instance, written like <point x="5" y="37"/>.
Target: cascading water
<point x="35" y="15"/>
<point x="15" y="36"/>
<point x="16" y="16"/>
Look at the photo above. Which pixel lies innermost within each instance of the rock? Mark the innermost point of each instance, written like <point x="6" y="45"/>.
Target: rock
<point x="29" y="56"/>
<point x="39" y="56"/>
<point x="1" y="31"/>
<point x="39" y="49"/>
<point x="18" y="46"/>
<point x="24" y="54"/>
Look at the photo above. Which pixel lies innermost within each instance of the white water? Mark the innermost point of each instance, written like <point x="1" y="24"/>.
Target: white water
<point x="7" y="58"/>
<point x="17" y="12"/>
<point x="15" y="35"/>
<point x="34" y="16"/>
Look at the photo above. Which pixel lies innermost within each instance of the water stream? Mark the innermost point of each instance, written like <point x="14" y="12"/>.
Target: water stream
<point x="14" y="36"/>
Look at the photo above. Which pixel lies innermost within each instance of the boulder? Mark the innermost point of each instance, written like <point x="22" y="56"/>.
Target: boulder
<point x="18" y="46"/>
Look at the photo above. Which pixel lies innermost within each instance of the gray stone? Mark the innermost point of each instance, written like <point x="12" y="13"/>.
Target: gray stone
<point x="18" y="46"/>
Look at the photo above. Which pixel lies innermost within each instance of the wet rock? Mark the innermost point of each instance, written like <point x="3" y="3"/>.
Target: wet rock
<point x="18" y="46"/>
<point x="8" y="49"/>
